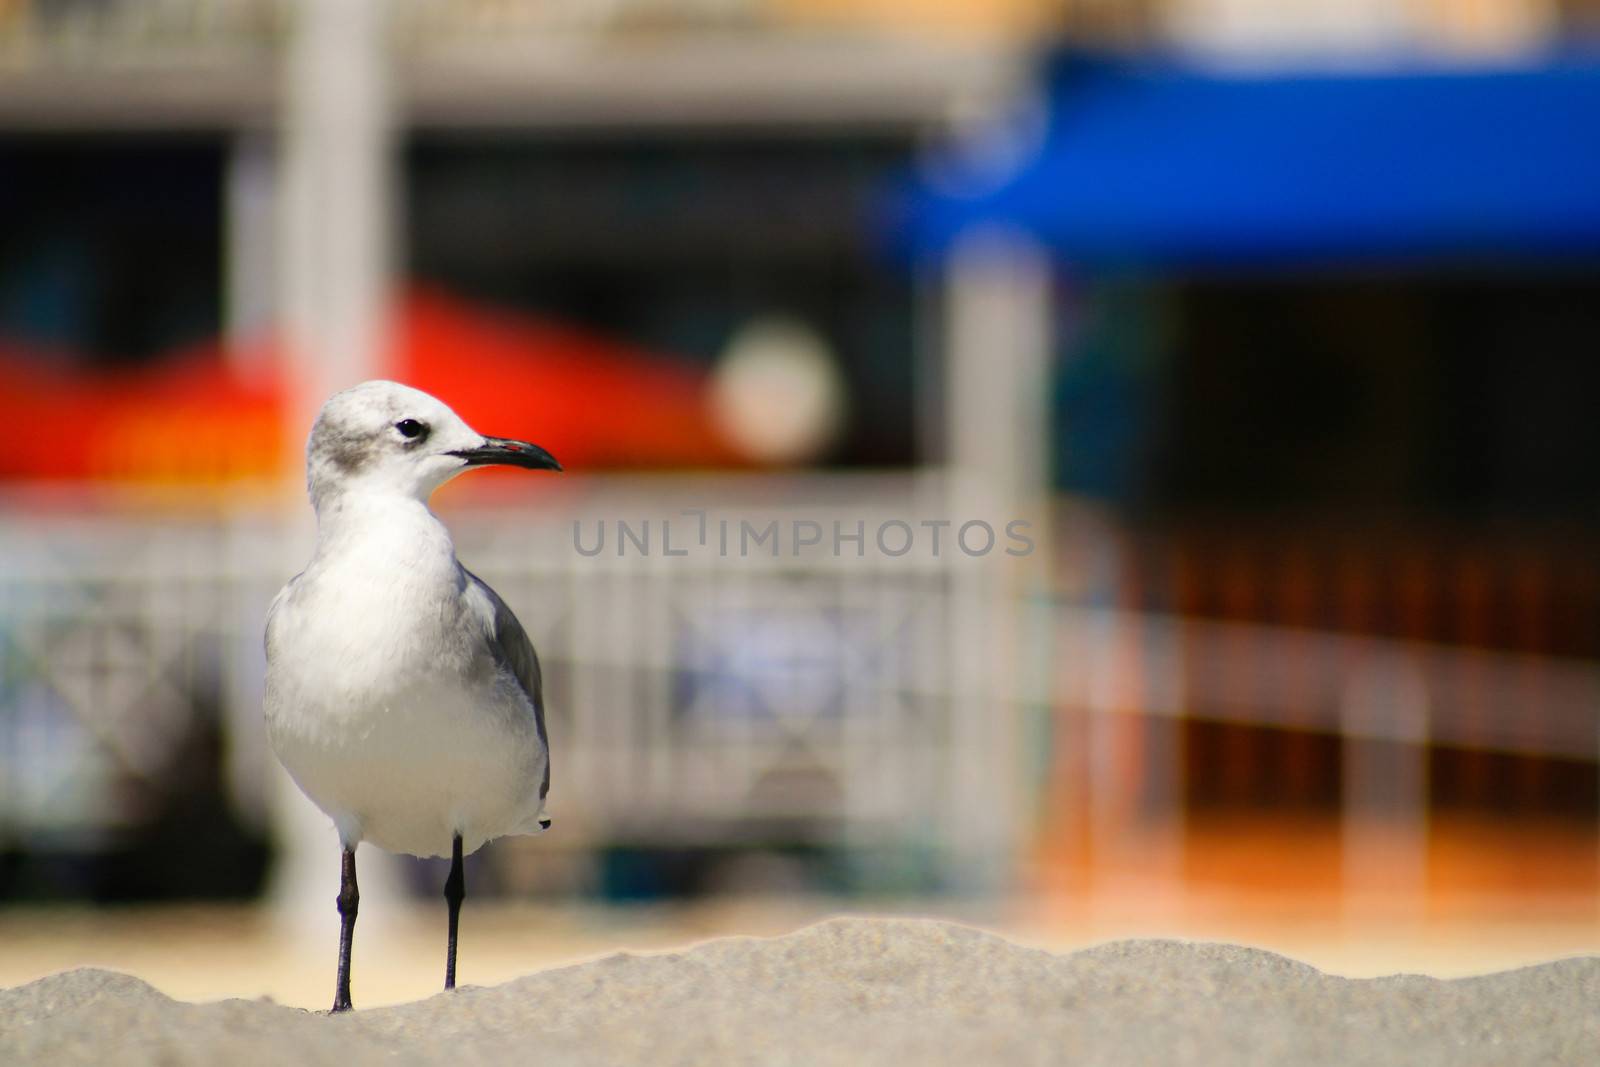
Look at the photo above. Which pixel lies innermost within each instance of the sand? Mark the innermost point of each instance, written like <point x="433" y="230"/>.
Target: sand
<point x="856" y="991"/>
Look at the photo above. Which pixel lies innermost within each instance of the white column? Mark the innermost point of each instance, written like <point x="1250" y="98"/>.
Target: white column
<point x="1385" y="727"/>
<point x="250" y="252"/>
<point x="998" y="338"/>
<point x="337" y="183"/>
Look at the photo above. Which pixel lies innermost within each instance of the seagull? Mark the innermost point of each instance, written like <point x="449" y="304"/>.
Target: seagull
<point x="402" y="695"/>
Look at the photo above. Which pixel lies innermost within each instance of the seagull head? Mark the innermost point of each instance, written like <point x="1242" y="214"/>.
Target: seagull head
<point x="389" y="438"/>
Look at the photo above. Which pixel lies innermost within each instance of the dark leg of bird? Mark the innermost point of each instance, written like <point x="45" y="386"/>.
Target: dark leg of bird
<point x="349" y="901"/>
<point x="455" y="888"/>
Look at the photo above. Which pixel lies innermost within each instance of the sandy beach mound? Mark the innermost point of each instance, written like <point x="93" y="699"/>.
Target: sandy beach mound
<point x="854" y="991"/>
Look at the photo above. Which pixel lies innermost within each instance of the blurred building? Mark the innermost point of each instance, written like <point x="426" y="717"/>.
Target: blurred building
<point x="1314" y="329"/>
<point x="1317" y="520"/>
<point x="639" y="234"/>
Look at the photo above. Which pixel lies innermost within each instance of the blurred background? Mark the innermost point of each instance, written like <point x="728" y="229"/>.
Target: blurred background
<point x="1278" y="321"/>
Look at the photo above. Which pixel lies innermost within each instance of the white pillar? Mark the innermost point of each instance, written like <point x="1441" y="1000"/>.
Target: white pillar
<point x="337" y="182"/>
<point x="251" y="252"/>
<point x="997" y="379"/>
<point x="999" y="327"/>
<point x="1385" y="728"/>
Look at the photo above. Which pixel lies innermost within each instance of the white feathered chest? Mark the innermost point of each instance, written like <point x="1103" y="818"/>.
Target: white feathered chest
<point x="383" y="699"/>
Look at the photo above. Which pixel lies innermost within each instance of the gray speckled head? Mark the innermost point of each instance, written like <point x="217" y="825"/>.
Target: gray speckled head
<point x="385" y="436"/>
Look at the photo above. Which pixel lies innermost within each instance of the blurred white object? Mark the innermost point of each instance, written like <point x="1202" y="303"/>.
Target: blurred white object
<point x="336" y="188"/>
<point x="777" y="393"/>
<point x="1359" y="29"/>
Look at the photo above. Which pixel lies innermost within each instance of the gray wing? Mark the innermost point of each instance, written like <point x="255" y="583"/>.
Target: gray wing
<point x="509" y="644"/>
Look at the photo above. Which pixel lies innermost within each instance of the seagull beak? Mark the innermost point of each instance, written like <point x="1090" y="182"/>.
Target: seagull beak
<point x="508" y="453"/>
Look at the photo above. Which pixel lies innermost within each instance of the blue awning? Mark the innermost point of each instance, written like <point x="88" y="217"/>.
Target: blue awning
<point x="1160" y="166"/>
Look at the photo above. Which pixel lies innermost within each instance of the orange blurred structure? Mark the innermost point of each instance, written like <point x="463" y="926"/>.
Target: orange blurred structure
<point x="196" y="417"/>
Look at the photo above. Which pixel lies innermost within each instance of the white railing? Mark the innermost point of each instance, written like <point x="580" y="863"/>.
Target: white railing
<point x="697" y="699"/>
<point x="712" y="699"/>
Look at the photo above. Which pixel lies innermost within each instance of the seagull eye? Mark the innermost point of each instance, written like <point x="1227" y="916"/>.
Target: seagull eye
<point x="410" y="429"/>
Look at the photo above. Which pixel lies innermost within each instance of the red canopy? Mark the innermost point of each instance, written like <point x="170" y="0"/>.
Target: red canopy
<point x="195" y="417"/>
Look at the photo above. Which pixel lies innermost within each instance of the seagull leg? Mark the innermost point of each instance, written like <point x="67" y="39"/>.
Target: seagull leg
<point x="455" y="889"/>
<point x="349" y="901"/>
